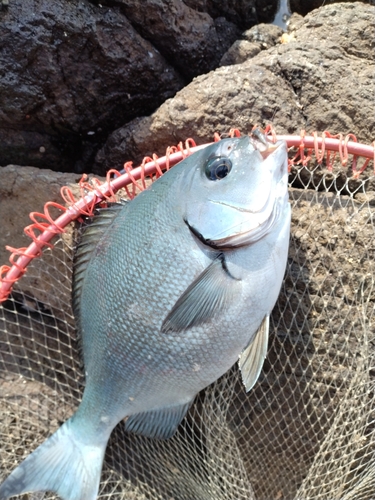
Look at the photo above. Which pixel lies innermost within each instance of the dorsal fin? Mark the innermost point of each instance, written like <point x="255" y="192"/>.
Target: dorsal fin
<point x="84" y="251"/>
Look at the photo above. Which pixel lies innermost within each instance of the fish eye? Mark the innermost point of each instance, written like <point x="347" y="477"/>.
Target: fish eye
<point x="217" y="168"/>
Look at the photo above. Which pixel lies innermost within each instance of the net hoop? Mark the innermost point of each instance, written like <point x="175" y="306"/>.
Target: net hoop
<point x="94" y="194"/>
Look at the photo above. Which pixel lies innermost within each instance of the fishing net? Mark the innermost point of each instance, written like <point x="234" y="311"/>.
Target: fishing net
<point x="306" y="430"/>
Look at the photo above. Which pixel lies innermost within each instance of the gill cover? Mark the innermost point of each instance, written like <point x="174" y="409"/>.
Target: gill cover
<point x="241" y="192"/>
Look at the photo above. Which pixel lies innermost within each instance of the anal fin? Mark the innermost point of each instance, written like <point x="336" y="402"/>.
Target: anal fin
<point x="159" y="424"/>
<point x="252" y="358"/>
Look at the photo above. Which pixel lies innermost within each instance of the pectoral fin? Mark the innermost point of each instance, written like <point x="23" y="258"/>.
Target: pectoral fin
<point x="252" y="358"/>
<point x="210" y="292"/>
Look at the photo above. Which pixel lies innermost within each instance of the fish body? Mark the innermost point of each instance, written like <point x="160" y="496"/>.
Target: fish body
<point x="169" y="290"/>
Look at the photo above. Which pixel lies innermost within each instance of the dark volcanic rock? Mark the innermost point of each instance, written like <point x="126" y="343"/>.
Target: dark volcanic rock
<point x="244" y="13"/>
<point x="323" y="79"/>
<point x="191" y="41"/>
<point x="69" y="73"/>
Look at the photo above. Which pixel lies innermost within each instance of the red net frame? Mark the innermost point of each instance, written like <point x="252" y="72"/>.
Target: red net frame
<point x="94" y="193"/>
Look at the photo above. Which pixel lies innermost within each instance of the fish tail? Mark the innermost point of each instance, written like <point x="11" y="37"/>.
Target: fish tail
<point x="62" y="464"/>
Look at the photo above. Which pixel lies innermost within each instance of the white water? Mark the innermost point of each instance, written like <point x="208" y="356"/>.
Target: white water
<point x="282" y="15"/>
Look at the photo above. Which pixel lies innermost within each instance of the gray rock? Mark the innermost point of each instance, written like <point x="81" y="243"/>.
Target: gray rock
<point x="321" y="80"/>
<point x="69" y="73"/>
<point x="24" y="190"/>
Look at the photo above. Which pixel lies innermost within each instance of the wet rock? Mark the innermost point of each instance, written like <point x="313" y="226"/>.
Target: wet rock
<point x="253" y="41"/>
<point x="321" y="80"/>
<point x="69" y="73"/>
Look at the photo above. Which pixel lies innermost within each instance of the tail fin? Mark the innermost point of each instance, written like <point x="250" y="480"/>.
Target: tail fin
<point x="62" y="464"/>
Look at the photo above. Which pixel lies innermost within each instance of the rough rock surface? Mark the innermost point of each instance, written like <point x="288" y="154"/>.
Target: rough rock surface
<point x="28" y="189"/>
<point x="302" y="7"/>
<point x="213" y="102"/>
<point x="243" y="13"/>
<point x="323" y="79"/>
<point x="71" y="74"/>
<point x="253" y="41"/>
<point x="191" y="41"/>
<point x="68" y="73"/>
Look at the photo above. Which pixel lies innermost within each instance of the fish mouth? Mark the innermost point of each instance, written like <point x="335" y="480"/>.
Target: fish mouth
<point x="197" y="234"/>
<point x="241" y="208"/>
<point x="246" y="234"/>
<point x="236" y="240"/>
<point x="262" y="143"/>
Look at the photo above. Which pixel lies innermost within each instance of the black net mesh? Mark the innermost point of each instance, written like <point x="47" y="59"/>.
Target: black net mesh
<point x="306" y="430"/>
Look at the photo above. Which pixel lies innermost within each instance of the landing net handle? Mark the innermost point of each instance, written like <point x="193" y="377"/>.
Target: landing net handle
<point x="94" y="194"/>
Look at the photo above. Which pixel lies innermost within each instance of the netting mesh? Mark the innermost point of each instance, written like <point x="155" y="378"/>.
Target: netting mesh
<point x="306" y="430"/>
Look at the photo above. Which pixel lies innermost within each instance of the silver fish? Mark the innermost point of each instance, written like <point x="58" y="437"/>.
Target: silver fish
<point x="169" y="291"/>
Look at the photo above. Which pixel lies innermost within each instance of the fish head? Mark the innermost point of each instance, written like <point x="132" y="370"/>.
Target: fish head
<point x="238" y="191"/>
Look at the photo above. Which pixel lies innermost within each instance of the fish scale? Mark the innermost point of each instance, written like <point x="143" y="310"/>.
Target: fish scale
<point x="169" y="291"/>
